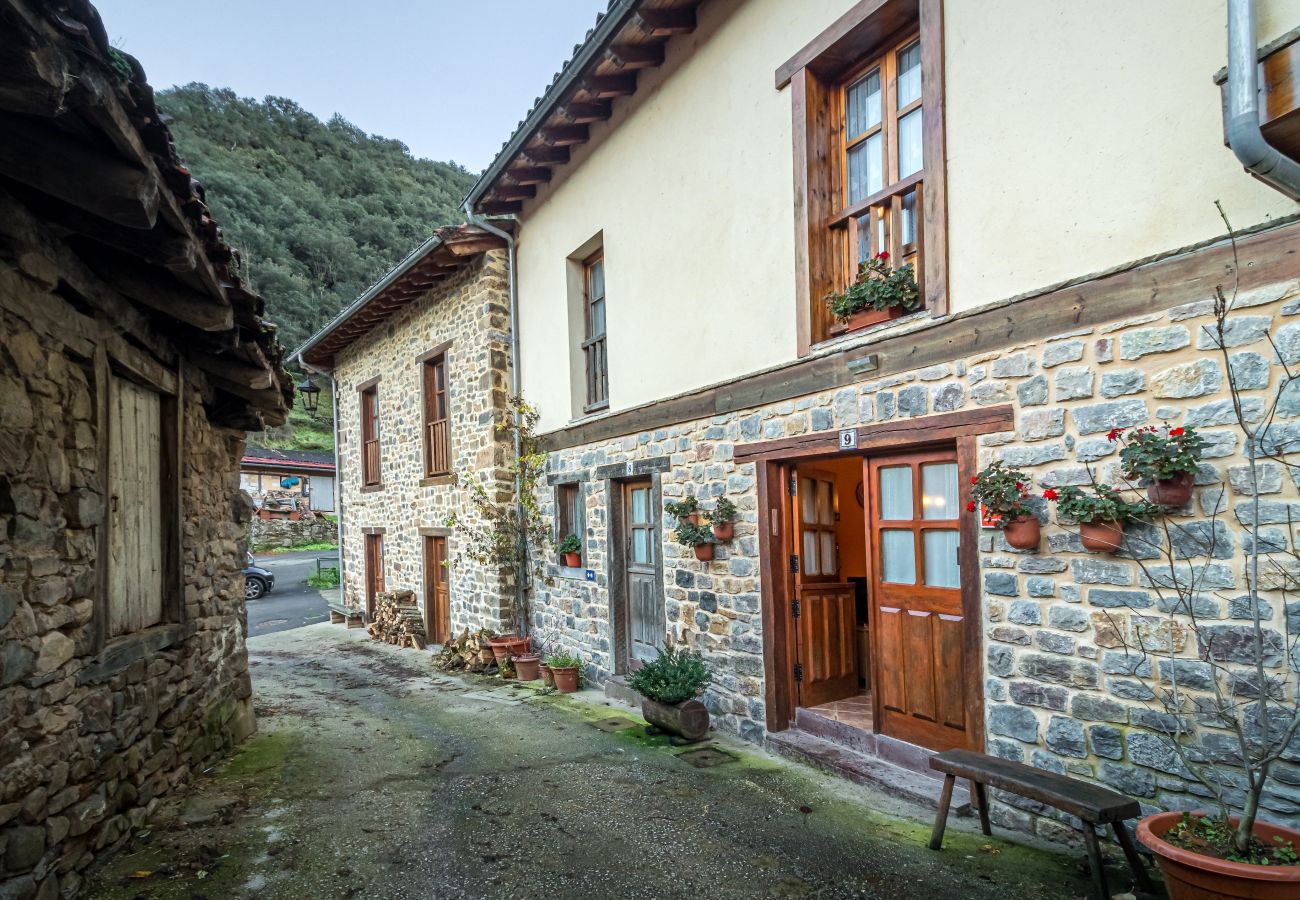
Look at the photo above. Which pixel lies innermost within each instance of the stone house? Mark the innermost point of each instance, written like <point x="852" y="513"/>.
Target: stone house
<point x="420" y="366"/>
<point x="671" y="329"/>
<point x="131" y="362"/>
<point x="307" y="476"/>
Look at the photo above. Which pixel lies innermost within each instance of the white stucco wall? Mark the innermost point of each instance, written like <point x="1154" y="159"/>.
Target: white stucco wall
<point x="1080" y="137"/>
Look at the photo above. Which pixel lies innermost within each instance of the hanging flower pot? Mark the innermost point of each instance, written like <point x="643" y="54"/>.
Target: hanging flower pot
<point x="1022" y="532"/>
<point x="704" y="552"/>
<point x="723" y="519"/>
<point x="724" y="531"/>
<point x="1101" y="537"/>
<point x="1190" y="875"/>
<point x="1174" y="491"/>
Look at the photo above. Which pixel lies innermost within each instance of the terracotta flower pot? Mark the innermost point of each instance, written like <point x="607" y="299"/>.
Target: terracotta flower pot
<point x="572" y="560"/>
<point x="1192" y="876"/>
<point x="485" y="654"/>
<point x="1171" y="491"/>
<point x="704" y="552"/>
<point x="566" y="679"/>
<point x="1022" y="532"/>
<point x="528" y="666"/>
<point x="1101" y="537"/>
<point x="518" y="646"/>
<point x="500" y="648"/>
<point x="548" y="677"/>
<point x="724" y="531"/>
<point x="688" y="719"/>
<point x="694" y="518"/>
<point x="865" y="317"/>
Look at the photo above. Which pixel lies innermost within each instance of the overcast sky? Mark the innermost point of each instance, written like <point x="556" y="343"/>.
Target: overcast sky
<point x="449" y="78"/>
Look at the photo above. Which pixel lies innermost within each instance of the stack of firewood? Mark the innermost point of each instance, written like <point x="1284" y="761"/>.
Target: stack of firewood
<point x="398" y="620"/>
<point x="470" y="652"/>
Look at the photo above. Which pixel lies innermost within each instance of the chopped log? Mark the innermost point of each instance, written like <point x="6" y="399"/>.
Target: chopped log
<point x="398" y="620"/>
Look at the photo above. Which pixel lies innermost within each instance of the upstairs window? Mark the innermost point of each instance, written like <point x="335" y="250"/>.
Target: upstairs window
<point x="593" y="344"/>
<point x="370" y="436"/>
<point x="437" y="431"/>
<point x="867" y="97"/>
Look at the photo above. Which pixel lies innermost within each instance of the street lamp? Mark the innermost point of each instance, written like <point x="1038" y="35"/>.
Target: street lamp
<point x="309" y="394"/>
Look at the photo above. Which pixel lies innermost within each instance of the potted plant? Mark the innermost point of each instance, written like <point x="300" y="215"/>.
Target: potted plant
<point x="565" y="670"/>
<point x="1166" y="457"/>
<point x="528" y="666"/>
<point x="687" y="508"/>
<point x="1003" y="492"/>
<point x="668" y="686"/>
<point x="723" y="518"/>
<point x="697" y="537"/>
<point x="1100" y="513"/>
<point x="507" y="646"/>
<point x="548" y="677"/>
<point x="570" y="550"/>
<point x="880" y="292"/>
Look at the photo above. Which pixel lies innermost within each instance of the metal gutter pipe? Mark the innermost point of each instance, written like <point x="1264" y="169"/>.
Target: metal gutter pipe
<point x="521" y="577"/>
<point x="1247" y="141"/>
<point x="338" y="468"/>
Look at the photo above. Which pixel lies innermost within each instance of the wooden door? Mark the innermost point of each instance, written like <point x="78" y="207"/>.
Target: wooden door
<point x="136" y="508"/>
<point x="437" y="590"/>
<point x="374" y="559"/>
<point x="918" y="625"/>
<point x="646" y="621"/>
<point x="824" y="613"/>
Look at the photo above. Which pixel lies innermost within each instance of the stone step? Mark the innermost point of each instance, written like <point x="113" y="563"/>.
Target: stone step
<point x="616" y="689"/>
<point x="891" y="750"/>
<point x="863" y="768"/>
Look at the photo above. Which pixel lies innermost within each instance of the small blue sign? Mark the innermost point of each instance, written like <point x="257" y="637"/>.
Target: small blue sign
<point x="590" y="574"/>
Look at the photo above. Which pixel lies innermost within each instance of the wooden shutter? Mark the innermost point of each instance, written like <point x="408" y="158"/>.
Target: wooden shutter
<point x="135" y="477"/>
<point x="370" y="436"/>
<point x="437" y="437"/>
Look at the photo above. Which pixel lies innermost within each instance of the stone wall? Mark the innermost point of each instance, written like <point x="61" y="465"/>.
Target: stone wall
<point x="90" y="737"/>
<point x="1059" y="691"/>
<point x="471" y="310"/>
<point x="280" y="531"/>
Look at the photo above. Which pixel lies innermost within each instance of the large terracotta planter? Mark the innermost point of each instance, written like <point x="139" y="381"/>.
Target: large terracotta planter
<point x="518" y="646"/>
<point x="1101" y="537"/>
<point x="1191" y="876"/>
<point x="572" y="560"/>
<point x="500" y="648"/>
<point x="688" y="719"/>
<point x="566" y="679"/>
<point x="1171" y="491"/>
<point x="724" y="531"/>
<point x="1023" y="532"/>
<point x="528" y="667"/>
<point x="548" y="678"/>
<point x="704" y="552"/>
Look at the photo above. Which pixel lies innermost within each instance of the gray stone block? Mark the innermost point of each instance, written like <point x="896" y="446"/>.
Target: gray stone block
<point x="1102" y="417"/>
<point x="990" y="393"/>
<point x="1033" y="693"/>
<point x="1098" y="709"/>
<point x="1036" y="455"/>
<point x="913" y="401"/>
<point x="1033" y="392"/>
<point x="1095" y="571"/>
<point x="1186" y="380"/>
<point x="1107" y="741"/>
<point x="1024" y="612"/>
<point x="1001" y="583"/>
<point x="1188" y="576"/>
<point x="1041" y="565"/>
<point x="1094" y="449"/>
<point x="1016" y="365"/>
<point x="1074" y="383"/>
<point x="947" y="397"/>
<point x="1040" y="424"/>
<point x="1000" y="659"/>
<point x="1038" y="586"/>
<point x="1127" y="779"/>
<point x="1065" y="736"/>
<point x="1068" y="618"/>
<point x="1238" y="331"/>
<point x="1059" y="670"/>
<point x="1237" y="644"/>
<point x="1122" y="662"/>
<point x="1248" y="370"/>
<point x="1122" y="382"/>
<point x="1145" y="341"/>
<point x="1058" y="352"/>
<point x="1055" y="643"/>
<point x="1222" y="412"/>
<point x="1013" y="722"/>
<point x="1192" y="539"/>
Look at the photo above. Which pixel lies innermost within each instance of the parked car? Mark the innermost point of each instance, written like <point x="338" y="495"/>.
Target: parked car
<point x="257" y="580"/>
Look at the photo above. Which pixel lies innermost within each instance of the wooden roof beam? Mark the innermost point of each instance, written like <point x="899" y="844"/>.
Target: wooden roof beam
<point x="604" y="87"/>
<point x="527" y="175"/>
<point x="564" y="135"/>
<point x="635" y="56"/>
<point x="581" y="113"/>
<point x="172" y="300"/>
<point x="477" y="244"/>
<point x="665" y="22"/>
<point x="545" y="155"/>
<point x="499" y="207"/>
<point x="514" y="192"/>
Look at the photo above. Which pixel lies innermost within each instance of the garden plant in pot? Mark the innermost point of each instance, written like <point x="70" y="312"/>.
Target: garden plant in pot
<point x="697" y="537"/>
<point x="1223" y="697"/>
<point x="723" y="518"/>
<point x="880" y="292"/>
<point x="570" y="550"/>
<point x="685" y="510"/>
<point x="1165" y="457"/>
<point x="668" y="686"/>
<point x="1100" y="512"/>
<point x="1004" y="492"/>
<point x="566" y="671"/>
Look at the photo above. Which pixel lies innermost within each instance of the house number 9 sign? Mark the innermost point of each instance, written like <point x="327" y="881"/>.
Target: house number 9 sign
<point x="849" y="439"/>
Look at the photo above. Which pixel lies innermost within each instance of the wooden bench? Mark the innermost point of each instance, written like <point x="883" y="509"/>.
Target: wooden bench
<point x="351" y="616"/>
<point x="1092" y="804"/>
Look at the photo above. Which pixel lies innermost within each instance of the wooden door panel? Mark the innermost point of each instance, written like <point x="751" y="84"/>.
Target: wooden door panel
<point x="647" y="619"/>
<point x="949" y="696"/>
<point x="643" y="586"/>
<point x="919" y="662"/>
<point x="826" y="643"/>
<point x="888" y="650"/>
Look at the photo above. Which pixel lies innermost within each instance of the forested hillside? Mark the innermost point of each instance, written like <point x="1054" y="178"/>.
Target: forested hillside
<point x="319" y="210"/>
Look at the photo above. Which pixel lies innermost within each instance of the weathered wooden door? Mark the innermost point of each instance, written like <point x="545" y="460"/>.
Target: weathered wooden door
<point x="374" y="559"/>
<point x="918" y="625"/>
<point x="437" y="590"/>
<point x="824" y="613"/>
<point x="136" y="507"/>
<point x="646" y="622"/>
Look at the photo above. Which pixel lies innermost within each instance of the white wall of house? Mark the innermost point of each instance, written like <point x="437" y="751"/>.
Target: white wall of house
<point x="1108" y="108"/>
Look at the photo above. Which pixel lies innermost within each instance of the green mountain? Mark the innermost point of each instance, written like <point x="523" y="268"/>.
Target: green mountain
<point x="318" y="210"/>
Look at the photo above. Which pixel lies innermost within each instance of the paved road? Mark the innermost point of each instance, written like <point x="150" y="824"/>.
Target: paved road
<point x="292" y="604"/>
<point x="373" y="777"/>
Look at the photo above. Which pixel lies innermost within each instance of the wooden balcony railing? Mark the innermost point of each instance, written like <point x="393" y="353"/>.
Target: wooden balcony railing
<point x="370" y="462"/>
<point x="437" y="448"/>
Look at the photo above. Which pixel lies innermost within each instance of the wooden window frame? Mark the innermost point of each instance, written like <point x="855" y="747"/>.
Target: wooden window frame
<point x="370" y="480"/>
<point x="121" y="360"/>
<point x="818" y="76"/>
<point x="594" y="346"/>
<point x="561" y="518"/>
<point x="435" y="471"/>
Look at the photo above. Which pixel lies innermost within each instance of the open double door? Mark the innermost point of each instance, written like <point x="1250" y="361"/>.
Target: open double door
<point x="922" y="632"/>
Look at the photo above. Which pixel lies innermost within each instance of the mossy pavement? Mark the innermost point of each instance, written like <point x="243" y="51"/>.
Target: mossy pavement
<point x="373" y="776"/>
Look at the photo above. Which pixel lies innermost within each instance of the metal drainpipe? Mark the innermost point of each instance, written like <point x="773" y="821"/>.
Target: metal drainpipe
<point x="338" y="484"/>
<point x="521" y="577"/>
<point x="1259" y="157"/>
